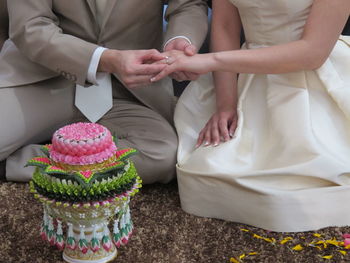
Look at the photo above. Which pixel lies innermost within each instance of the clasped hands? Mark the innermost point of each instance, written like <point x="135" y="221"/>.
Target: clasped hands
<point x="137" y="68"/>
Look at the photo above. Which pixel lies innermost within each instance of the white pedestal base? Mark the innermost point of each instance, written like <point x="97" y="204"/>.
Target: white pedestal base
<point x="108" y="258"/>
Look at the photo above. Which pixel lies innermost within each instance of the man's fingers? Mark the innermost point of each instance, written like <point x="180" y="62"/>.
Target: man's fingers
<point x="190" y="50"/>
<point x="191" y="76"/>
<point x="182" y="76"/>
<point x="152" y="55"/>
<point x="136" y="81"/>
<point x="147" y="69"/>
<point x="178" y="76"/>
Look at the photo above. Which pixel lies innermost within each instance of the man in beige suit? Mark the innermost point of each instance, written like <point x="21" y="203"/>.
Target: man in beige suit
<point x="56" y="45"/>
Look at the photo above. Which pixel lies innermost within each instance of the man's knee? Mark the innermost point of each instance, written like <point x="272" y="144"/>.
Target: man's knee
<point x="157" y="163"/>
<point x="8" y="146"/>
<point x="4" y="153"/>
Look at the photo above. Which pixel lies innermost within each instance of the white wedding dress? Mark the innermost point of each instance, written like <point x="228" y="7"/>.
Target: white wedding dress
<point x="288" y="168"/>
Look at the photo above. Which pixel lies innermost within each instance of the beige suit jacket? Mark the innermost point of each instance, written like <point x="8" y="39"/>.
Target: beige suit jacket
<point x="3" y="22"/>
<point x="58" y="37"/>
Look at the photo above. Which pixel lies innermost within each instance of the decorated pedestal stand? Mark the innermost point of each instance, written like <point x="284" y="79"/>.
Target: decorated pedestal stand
<point x="85" y="184"/>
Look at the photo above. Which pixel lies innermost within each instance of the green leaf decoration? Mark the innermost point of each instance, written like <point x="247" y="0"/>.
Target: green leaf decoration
<point x="115" y="139"/>
<point x="46" y="149"/>
<point x="42" y="162"/>
<point x="71" y="243"/>
<point x="95" y="244"/>
<point x="85" y="176"/>
<point x="81" y="178"/>
<point x="66" y="188"/>
<point x="124" y="154"/>
<point x="112" y="167"/>
<point x="55" y="170"/>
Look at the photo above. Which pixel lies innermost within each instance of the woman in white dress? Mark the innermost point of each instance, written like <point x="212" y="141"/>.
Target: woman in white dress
<point x="271" y="149"/>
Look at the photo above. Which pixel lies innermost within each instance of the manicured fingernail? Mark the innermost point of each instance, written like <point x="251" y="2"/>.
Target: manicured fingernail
<point x="206" y="143"/>
<point x="153" y="79"/>
<point x="215" y="144"/>
<point x="231" y="135"/>
<point x="197" y="145"/>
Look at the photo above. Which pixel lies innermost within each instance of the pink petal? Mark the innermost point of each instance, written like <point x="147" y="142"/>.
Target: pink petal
<point x="87" y="174"/>
<point x="346" y="242"/>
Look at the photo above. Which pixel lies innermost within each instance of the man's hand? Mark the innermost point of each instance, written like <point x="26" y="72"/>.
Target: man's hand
<point x="183" y="45"/>
<point x="132" y="67"/>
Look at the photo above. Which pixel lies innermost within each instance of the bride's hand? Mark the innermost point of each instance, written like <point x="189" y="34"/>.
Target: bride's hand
<point x="220" y="127"/>
<point x="183" y="45"/>
<point x="178" y="61"/>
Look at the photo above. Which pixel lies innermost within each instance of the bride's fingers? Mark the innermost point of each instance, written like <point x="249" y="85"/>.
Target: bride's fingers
<point x="207" y="137"/>
<point x="163" y="61"/>
<point x="232" y="129"/>
<point x="200" y="138"/>
<point x="215" y="135"/>
<point x="223" y="128"/>
<point x="165" y="72"/>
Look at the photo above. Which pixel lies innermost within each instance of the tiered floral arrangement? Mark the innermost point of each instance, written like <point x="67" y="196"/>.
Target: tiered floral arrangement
<point x="85" y="182"/>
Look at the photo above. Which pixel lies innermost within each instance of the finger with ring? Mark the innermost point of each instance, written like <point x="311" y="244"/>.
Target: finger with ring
<point x="167" y="60"/>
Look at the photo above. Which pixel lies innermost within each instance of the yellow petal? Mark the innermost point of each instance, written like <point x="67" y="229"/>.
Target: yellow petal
<point x="245" y="230"/>
<point x="317" y="235"/>
<point x="327" y="257"/>
<point x="242" y="256"/>
<point x="343" y="252"/>
<point x="312" y="244"/>
<point x="323" y="243"/>
<point x="270" y="240"/>
<point x="333" y="242"/>
<point x="257" y="236"/>
<point x="253" y="253"/>
<point x="285" y="240"/>
<point x="298" y="247"/>
<point x="347" y="247"/>
<point x="233" y="260"/>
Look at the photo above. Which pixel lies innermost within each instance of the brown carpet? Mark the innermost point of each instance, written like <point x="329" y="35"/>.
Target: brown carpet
<point x="164" y="233"/>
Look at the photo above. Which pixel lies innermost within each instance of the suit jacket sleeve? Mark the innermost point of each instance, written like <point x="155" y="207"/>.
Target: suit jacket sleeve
<point x="34" y="28"/>
<point x="3" y="22"/>
<point x="187" y="18"/>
